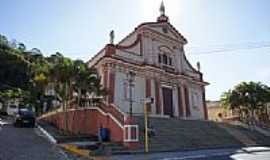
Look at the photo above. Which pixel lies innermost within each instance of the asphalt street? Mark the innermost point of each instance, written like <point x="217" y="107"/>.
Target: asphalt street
<point x="28" y="144"/>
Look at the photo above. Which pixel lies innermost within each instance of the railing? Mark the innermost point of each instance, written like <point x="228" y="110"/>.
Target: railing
<point x="129" y="130"/>
<point x="116" y="113"/>
<point x="107" y="108"/>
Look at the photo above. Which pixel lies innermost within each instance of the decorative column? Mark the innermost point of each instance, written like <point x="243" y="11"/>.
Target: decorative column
<point x="180" y="102"/>
<point x="204" y="104"/>
<point x="105" y="80"/>
<point x="188" y="113"/>
<point x="157" y="96"/>
<point x="111" y="86"/>
<point x="183" y="98"/>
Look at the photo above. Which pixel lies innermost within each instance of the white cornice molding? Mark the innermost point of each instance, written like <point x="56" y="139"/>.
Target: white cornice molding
<point x="149" y="71"/>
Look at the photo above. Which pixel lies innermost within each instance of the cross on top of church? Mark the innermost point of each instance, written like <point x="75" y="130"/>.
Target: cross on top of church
<point x="162" y="17"/>
<point x="162" y="8"/>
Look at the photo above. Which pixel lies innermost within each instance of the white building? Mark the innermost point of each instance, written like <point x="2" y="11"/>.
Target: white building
<point x="154" y="54"/>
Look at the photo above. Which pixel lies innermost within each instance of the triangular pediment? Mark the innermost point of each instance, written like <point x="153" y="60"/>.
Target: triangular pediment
<point x="166" y="29"/>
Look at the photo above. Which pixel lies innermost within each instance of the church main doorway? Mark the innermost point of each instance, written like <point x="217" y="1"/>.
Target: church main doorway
<point x="167" y="101"/>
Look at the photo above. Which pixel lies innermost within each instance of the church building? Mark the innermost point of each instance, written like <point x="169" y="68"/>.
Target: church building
<point x="151" y="62"/>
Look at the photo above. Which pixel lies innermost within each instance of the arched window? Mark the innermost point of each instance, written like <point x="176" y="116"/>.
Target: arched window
<point x="165" y="57"/>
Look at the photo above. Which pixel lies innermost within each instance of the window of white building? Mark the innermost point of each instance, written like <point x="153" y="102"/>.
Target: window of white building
<point x="166" y="56"/>
<point x="165" y="59"/>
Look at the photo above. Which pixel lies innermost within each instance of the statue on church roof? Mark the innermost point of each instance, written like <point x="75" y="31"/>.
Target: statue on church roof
<point x="112" y="37"/>
<point x="199" y="66"/>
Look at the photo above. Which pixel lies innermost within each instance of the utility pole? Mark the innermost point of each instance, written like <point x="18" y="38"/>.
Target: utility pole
<point x="147" y="103"/>
<point x="145" y="128"/>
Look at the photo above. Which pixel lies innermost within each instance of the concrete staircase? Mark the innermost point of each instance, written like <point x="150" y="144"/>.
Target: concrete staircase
<point x="175" y="134"/>
<point x="238" y="134"/>
<point x="247" y="136"/>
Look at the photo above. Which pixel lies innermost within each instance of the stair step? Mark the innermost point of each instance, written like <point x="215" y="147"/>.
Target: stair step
<point x="174" y="133"/>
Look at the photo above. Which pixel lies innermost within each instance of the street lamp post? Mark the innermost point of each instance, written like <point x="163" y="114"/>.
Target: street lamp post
<point x="131" y="79"/>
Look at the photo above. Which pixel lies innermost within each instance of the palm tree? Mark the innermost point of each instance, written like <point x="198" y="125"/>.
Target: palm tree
<point x="40" y="78"/>
<point x="68" y="75"/>
<point x="62" y="74"/>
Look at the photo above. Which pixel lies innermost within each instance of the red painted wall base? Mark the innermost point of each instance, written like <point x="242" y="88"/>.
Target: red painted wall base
<point x="86" y="121"/>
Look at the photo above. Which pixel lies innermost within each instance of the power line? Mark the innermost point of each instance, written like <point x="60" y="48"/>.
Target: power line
<point x="214" y="49"/>
<point x="232" y="47"/>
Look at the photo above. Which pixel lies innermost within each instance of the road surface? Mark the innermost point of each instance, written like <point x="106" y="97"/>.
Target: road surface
<point x="28" y="144"/>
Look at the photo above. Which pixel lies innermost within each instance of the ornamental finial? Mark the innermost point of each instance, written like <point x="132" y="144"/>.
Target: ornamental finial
<point x="162" y="8"/>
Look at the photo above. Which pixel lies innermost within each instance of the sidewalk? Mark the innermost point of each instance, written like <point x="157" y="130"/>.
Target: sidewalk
<point x="80" y="145"/>
<point x="190" y="154"/>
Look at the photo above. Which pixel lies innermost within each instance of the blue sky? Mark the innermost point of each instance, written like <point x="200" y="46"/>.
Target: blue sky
<point x="79" y="29"/>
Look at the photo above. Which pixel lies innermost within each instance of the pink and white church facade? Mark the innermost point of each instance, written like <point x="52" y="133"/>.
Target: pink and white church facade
<point x="153" y="54"/>
<point x="149" y="62"/>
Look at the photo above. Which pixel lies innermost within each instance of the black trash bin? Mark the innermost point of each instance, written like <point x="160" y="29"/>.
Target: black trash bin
<point x="104" y="134"/>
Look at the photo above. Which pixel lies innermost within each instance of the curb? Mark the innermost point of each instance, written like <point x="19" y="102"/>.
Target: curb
<point x="177" y="150"/>
<point x="48" y="135"/>
<point x="198" y="156"/>
<point x="73" y="149"/>
<point x="69" y="147"/>
<point x="81" y="152"/>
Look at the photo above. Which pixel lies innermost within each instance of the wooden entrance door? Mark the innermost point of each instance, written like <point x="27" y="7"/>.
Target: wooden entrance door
<point x="167" y="101"/>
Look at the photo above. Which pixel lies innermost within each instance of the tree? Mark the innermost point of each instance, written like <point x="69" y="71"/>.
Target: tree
<point x="14" y="68"/>
<point x="31" y="72"/>
<point x="13" y="43"/>
<point x="21" y="47"/>
<point x="247" y="97"/>
<point x="3" y="40"/>
<point x="63" y="72"/>
<point x="9" y="94"/>
<point x="35" y="51"/>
